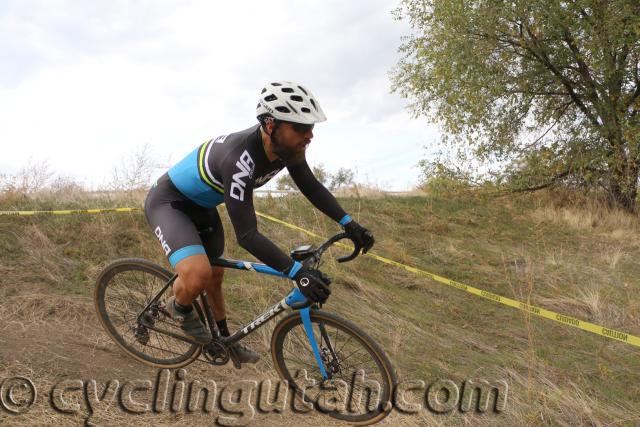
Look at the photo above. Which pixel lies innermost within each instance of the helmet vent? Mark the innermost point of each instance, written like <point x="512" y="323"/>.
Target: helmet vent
<point x="291" y="106"/>
<point x="288" y="101"/>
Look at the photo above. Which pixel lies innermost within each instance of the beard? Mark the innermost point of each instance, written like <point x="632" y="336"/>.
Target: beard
<point x="287" y="155"/>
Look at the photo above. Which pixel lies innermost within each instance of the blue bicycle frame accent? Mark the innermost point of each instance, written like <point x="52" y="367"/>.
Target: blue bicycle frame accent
<point x="306" y="320"/>
<point x="260" y="268"/>
<point x="295" y="296"/>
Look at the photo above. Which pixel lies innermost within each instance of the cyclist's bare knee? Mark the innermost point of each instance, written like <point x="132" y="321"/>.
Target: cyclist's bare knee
<point x="217" y="274"/>
<point x="194" y="274"/>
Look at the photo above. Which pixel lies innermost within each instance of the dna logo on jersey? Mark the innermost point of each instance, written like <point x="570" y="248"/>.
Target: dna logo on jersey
<point x="246" y="166"/>
<point x="163" y="241"/>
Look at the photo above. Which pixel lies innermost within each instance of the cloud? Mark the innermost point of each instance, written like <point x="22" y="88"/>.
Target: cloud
<point x="86" y="82"/>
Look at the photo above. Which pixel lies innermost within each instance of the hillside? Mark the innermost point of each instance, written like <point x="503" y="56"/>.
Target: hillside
<point x="568" y="256"/>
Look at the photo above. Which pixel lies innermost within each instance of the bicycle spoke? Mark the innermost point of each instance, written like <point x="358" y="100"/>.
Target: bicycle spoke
<point x="126" y="293"/>
<point x="359" y="380"/>
<point x="303" y="342"/>
<point x="352" y="353"/>
<point x="301" y="362"/>
<point x="344" y="344"/>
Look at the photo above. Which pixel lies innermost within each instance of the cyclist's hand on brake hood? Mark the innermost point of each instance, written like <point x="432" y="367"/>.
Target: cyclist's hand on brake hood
<point x="360" y="235"/>
<point x="313" y="284"/>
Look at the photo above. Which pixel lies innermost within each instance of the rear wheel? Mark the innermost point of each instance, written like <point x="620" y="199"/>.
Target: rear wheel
<point x="122" y="291"/>
<point x="362" y="378"/>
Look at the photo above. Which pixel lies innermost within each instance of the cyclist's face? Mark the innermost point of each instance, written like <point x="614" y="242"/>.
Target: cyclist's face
<point x="290" y="140"/>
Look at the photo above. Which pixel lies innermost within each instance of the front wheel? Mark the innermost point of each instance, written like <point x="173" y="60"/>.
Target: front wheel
<point x="362" y="379"/>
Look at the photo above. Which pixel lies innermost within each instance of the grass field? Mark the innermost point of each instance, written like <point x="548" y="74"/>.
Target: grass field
<point x="559" y="252"/>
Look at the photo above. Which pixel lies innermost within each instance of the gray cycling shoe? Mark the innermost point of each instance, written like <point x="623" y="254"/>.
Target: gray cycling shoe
<point x="244" y="354"/>
<point x="189" y="322"/>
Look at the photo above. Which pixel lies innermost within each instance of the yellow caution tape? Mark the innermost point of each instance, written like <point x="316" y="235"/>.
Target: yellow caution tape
<point x="537" y="311"/>
<point x="68" y="212"/>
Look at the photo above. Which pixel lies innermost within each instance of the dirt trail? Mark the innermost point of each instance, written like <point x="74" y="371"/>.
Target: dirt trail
<point x="50" y="339"/>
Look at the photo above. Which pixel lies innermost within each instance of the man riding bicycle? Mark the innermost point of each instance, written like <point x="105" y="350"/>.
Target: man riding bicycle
<point x="181" y="206"/>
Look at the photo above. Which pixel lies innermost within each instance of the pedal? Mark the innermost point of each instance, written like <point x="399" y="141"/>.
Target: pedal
<point x="236" y="363"/>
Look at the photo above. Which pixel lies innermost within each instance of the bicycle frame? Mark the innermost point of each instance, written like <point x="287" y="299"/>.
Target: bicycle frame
<point x="294" y="300"/>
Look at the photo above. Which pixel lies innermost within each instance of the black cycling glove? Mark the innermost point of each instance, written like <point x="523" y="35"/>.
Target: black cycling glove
<point x="360" y="235"/>
<point x="313" y="284"/>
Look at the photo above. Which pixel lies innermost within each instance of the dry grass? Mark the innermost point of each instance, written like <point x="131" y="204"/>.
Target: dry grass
<point x="587" y="215"/>
<point x="559" y="256"/>
<point x="40" y="251"/>
<point x="371" y="191"/>
<point x="613" y="256"/>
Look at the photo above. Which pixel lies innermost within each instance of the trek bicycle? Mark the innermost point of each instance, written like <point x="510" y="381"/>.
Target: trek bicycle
<point x="130" y="298"/>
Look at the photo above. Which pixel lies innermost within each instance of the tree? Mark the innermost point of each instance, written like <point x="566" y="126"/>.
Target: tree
<point x="32" y="177"/>
<point x="550" y="87"/>
<point x="344" y="177"/>
<point x="321" y="173"/>
<point x="134" y="171"/>
<point x="285" y="182"/>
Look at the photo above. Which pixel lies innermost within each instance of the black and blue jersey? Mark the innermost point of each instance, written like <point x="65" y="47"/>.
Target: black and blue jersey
<point x="227" y="169"/>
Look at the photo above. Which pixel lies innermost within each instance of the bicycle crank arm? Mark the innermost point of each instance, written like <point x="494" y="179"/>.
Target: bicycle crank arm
<point x="171" y="334"/>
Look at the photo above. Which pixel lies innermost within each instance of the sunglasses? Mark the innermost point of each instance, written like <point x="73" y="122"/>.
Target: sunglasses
<point x="301" y="128"/>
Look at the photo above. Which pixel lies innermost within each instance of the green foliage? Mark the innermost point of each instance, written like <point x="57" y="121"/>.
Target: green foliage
<point x="511" y="79"/>
<point x="553" y="165"/>
<point x="441" y="179"/>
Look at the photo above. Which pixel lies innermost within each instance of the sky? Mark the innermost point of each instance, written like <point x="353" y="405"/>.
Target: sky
<point x="85" y="84"/>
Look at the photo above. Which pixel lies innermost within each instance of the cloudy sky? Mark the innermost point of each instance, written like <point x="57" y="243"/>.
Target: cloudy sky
<point x="83" y="84"/>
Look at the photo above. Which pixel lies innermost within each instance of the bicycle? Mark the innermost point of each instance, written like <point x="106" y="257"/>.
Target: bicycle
<point x="132" y="311"/>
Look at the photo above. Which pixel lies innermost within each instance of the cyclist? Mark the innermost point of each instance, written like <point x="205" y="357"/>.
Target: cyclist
<point x="181" y="205"/>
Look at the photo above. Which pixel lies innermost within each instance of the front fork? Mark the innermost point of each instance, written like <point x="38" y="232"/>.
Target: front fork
<point x="294" y="298"/>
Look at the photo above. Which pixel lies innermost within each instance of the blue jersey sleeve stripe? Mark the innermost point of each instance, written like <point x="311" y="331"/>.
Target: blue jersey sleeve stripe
<point x="345" y="219"/>
<point x="185" y="252"/>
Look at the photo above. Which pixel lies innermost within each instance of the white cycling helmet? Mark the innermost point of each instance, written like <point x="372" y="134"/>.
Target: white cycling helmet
<point x="291" y="102"/>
